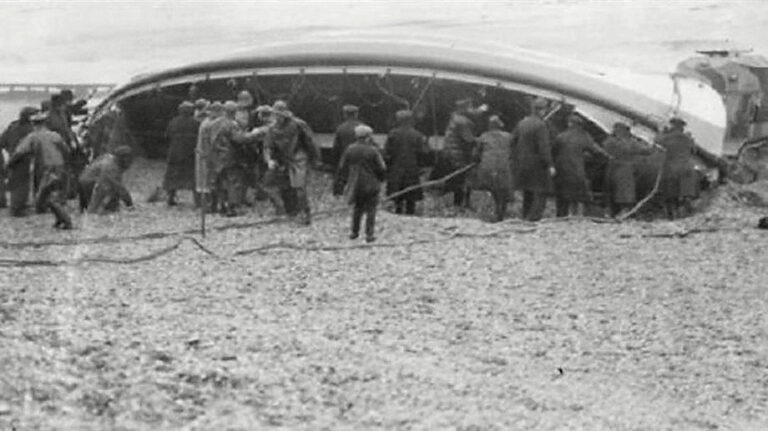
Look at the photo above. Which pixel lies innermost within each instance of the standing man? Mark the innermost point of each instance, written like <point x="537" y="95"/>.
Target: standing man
<point x="362" y="169"/>
<point x="344" y="136"/>
<point x="18" y="177"/>
<point x="288" y="151"/>
<point x="460" y="143"/>
<point x="494" y="172"/>
<point x="50" y="154"/>
<point x="572" y="189"/>
<point x="679" y="182"/>
<point x="204" y="178"/>
<point x="182" y="134"/>
<point x="534" y="157"/>
<point x="623" y="149"/>
<point x="101" y="183"/>
<point x="404" y="148"/>
<point x="228" y="159"/>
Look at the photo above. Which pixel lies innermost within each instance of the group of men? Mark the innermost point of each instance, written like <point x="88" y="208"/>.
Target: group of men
<point x="43" y="157"/>
<point x="531" y="160"/>
<point x="219" y="150"/>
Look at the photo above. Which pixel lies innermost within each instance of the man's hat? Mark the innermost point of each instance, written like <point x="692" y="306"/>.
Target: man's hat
<point x="263" y="108"/>
<point x="201" y="103"/>
<point x="403" y="115"/>
<point x="123" y="151"/>
<point x="186" y="107"/>
<point x="230" y="106"/>
<point x="576" y="118"/>
<point x="28" y="111"/>
<point x="244" y="99"/>
<point x="281" y="108"/>
<point x="464" y="103"/>
<point x="540" y="103"/>
<point x="38" y="117"/>
<point x="677" y="121"/>
<point x="620" y="125"/>
<point x="363" y="131"/>
<point x="215" y="107"/>
<point x="495" y="120"/>
<point x="350" y="109"/>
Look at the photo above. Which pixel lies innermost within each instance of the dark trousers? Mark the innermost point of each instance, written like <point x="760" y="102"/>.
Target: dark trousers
<point x="564" y="207"/>
<point x="52" y="196"/>
<point x="405" y="205"/>
<point x="533" y="205"/>
<point x="365" y="205"/>
<point x="500" y="201"/>
<point x="229" y="185"/>
<point x="85" y="195"/>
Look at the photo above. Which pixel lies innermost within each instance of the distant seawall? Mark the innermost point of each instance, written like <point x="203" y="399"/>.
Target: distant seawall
<point x="15" y="96"/>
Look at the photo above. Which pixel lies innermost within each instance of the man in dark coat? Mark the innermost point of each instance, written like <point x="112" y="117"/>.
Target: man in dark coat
<point x="404" y="149"/>
<point x="344" y="136"/>
<point x="182" y="134"/>
<point x="229" y="162"/>
<point x="620" y="176"/>
<point x="494" y="173"/>
<point x="101" y="184"/>
<point x="535" y="167"/>
<point x="460" y="142"/>
<point x="18" y="178"/>
<point x="572" y="189"/>
<point x="679" y="180"/>
<point x="289" y="149"/>
<point x="362" y="168"/>
<point x="50" y="155"/>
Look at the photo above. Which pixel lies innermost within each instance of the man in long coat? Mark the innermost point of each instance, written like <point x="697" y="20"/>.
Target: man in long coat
<point x="50" y="154"/>
<point x="404" y="149"/>
<point x="344" y="137"/>
<point x="620" y="185"/>
<point x="535" y="167"/>
<point x="228" y="160"/>
<point x="101" y="183"/>
<point x="205" y="180"/>
<point x="460" y="142"/>
<point x="182" y="135"/>
<point x="362" y="168"/>
<point x="494" y="173"/>
<point x="571" y="186"/>
<point x="288" y="151"/>
<point x="679" y="181"/>
<point x="18" y="177"/>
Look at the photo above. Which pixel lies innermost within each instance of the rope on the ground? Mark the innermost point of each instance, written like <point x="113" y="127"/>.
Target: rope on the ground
<point x="454" y="235"/>
<point x="644" y="200"/>
<point x="229" y="226"/>
<point x="101" y="259"/>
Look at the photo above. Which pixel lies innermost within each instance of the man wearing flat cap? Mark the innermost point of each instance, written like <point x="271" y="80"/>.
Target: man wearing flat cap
<point x="621" y="176"/>
<point x="50" y="154"/>
<point x="362" y="170"/>
<point x="679" y="180"/>
<point x="494" y="171"/>
<point x="404" y="150"/>
<point x="535" y="167"/>
<point x="228" y="159"/>
<point x="101" y="183"/>
<point x="344" y="136"/>
<point x="19" y="180"/>
<point x="460" y="141"/>
<point x="289" y="149"/>
<point x="572" y="189"/>
<point x="182" y="137"/>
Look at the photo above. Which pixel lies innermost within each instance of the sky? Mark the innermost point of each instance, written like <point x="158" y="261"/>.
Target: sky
<point x="108" y="42"/>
